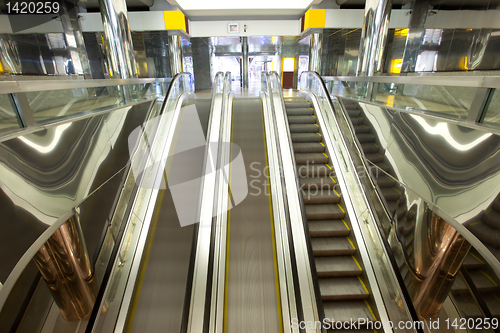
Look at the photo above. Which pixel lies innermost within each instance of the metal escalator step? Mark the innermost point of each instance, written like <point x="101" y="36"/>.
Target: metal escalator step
<point x="305" y="137"/>
<point x="384" y="181"/>
<point x="492" y="218"/>
<point x="351" y="106"/>
<point x="493" y="304"/>
<point x="361" y="129"/>
<point x="405" y="227"/>
<point x="303" y="128"/>
<point x="310" y="158"/>
<point x="314" y="170"/>
<point x="345" y="311"/>
<point x="316" y="183"/>
<point x="308" y="147"/>
<point x="369" y="148"/>
<point x="365" y="138"/>
<point x="336" y="266"/>
<point x="332" y="246"/>
<point x="393" y="205"/>
<point x="326" y="196"/>
<point x="327" y="228"/>
<point x="472" y="262"/>
<point x="291" y="105"/>
<point x="390" y="193"/>
<point x="467" y="306"/>
<point x="483" y="282"/>
<point x="300" y="111"/>
<point x="355" y="112"/>
<point x="383" y="166"/>
<point x="324" y="212"/>
<point x="496" y="204"/>
<point x="356" y="121"/>
<point x="375" y="158"/>
<point x="341" y="288"/>
<point x="485" y="233"/>
<point x="301" y="120"/>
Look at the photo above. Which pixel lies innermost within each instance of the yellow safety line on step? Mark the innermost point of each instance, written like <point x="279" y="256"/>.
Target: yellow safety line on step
<point x="357" y="263"/>
<point x="321" y="143"/>
<point x="489" y="211"/>
<point x="336" y="192"/>
<point x="478" y="259"/>
<point x="363" y="284"/>
<point x="332" y="179"/>
<point x="489" y="278"/>
<point x="352" y="244"/>
<point x="371" y="311"/>
<point x="396" y="190"/>
<point x="325" y="154"/>
<point x="313" y="116"/>
<point x="346" y="225"/>
<point x="475" y="223"/>
<point x="498" y="299"/>
<point x="328" y="166"/>
<point x="343" y="211"/>
<point x="318" y="133"/>
<point x="316" y="125"/>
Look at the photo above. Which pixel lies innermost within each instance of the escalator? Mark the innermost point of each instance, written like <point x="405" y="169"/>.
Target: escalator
<point x="344" y="288"/>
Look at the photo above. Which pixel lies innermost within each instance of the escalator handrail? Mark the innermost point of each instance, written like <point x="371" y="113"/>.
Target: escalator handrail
<point x="308" y="283"/>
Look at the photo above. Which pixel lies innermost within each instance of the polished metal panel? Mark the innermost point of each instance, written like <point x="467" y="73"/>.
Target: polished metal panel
<point x="118" y="39"/>
<point x="66" y="268"/>
<point x="244" y="61"/>
<point x="175" y="49"/>
<point x="415" y="35"/>
<point x="315" y="52"/>
<point x="373" y="37"/>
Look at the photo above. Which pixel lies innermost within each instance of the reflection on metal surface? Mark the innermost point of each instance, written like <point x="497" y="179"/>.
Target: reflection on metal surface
<point x="175" y="49"/>
<point x="434" y="251"/>
<point x="65" y="266"/>
<point x="374" y="36"/>
<point x="244" y="61"/>
<point x="315" y="52"/>
<point x="118" y="38"/>
<point x="414" y="35"/>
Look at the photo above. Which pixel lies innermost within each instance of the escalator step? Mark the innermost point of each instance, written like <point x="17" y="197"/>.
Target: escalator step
<point x="303" y="128"/>
<point x="496" y="204"/>
<point x="306" y="137"/>
<point x="308" y="147"/>
<point x="493" y="304"/>
<point x="341" y="288"/>
<point x="313" y="197"/>
<point x="324" y="212"/>
<point x="336" y="266"/>
<point x="314" y="183"/>
<point x="369" y="148"/>
<point x="353" y="112"/>
<point x="327" y="228"/>
<point x="346" y="311"/>
<point x="492" y="218"/>
<point x="365" y="138"/>
<point x="356" y="121"/>
<point x="332" y="246"/>
<point x="385" y="181"/>
<point x="405" y="227"/>
<point x="390" y="193"/>
<point x="291" y="105"/>
<point x="485" y="233"/>
<point x="314" y="170"/>
<point x="301" y="120"/>
<point x="361" y="129"/>
<point x="351" y="106"/>
<point x="375" y="158"/>
<point x="300" y="111"/>
<point x="472" y="262"/>
<point x="467" y="306"/>
<point x="483" y="282"/>
<point x="383" y="166"/>
<point x="310" y="158"/>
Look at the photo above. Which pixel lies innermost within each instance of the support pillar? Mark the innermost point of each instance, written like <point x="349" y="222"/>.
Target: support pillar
<point x="118" y="39"/>
<point x="244" y="49"/>
<point x="175" y="49"/>
<point x="373" y="37"/>
<point x="65" y="266"/>
<point x="315" y="52"/>
<point x="415" y="35"/>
